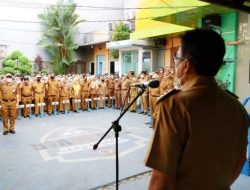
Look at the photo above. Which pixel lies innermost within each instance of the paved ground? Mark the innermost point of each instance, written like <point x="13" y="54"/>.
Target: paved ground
<point x="55" y="153"/>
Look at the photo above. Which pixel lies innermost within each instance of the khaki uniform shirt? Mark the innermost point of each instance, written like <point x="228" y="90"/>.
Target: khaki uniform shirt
<point x="110" y="83"/>
<point x="102" y="88"/>
<point x="26" y="90"/>
<point x="53" y="88"/>
<point x="65" y="90"/>
<point x="38" y="87"/>
<point x="199" y="133"/>
<point x="85" y="86"/>
<point x="9" y="91"/>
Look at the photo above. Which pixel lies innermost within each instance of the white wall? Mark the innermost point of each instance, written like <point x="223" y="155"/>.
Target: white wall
<point x="17" y="35"/>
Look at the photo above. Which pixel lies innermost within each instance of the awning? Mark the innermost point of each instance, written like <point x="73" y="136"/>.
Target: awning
<point x="129" y="44"/>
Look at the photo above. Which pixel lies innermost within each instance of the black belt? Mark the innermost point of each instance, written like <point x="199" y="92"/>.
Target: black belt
<point x="11" y="100"/>
<point x="39" y="93"/>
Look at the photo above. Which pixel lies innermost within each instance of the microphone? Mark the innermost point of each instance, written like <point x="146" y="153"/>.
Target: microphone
<point x="151" y="84"/>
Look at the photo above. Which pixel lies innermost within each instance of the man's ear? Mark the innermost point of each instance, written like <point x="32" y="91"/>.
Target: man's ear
<point x="187" y="67"/>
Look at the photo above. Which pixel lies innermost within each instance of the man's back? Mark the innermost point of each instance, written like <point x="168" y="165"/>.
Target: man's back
<point x="204" y="127"/>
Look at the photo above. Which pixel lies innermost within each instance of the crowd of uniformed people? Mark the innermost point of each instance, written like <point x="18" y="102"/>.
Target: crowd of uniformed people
<point x="62" y="93"/>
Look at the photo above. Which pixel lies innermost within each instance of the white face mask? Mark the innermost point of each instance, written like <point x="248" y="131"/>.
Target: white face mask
<point x="9" y="79"/>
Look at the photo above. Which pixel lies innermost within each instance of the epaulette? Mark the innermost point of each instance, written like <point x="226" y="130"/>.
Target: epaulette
<point x="171" y="92"/>
<point x="232" y="94"/>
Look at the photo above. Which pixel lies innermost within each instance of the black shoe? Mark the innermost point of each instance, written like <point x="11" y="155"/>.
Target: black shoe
<point x="5" y="132"/>
<point x="12" y="131"/>
<point x="132" y="110"/>
<point x="141" y="112"/>
<point x="49" y="114"/>
<point x="36" y="115"/>
<point x="145" y="113"/>
<point x="150" y="126"/>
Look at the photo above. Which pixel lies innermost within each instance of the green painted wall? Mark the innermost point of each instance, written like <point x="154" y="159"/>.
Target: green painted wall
<point x="229" y="31"/>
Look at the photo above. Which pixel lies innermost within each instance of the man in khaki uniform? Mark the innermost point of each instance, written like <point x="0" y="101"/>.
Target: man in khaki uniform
<point x="200" y="136"/>
<point x="133" y="91"/>
<point x="117" y="92"/>
<point x="53" y="92"/>
<point x="10" y="100"/>
<point x="125" y="84"/>
<point x="102" y="92"/>
<point x="154" y="94"/>
<point x="110" y="86"/>
<point x="144" y="97"/>
<point x="93" y="92"/>
<point x="75" y="93"/>
<point x="38" y="91"/>
<point x="64" y="95"/>
<point x="84" y="92"/>
<point x="26" y="95"/>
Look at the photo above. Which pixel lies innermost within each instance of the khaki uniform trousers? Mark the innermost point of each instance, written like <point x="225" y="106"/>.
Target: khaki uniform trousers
<point x="124" y="101"/>
<point x="133" y="93"/>
<point x="51" y="98"/>
<point x="93" y="102"/>
<point x="84" y="96"/>
<point x="110" y="95"/>
<point x="117" y="99"/>
<point x="25" y="101"/>
<point x="62" y="106"/>
<point x="39" y="98"/>
<point x="144" y="103"/>
<point x="9" y="114"/>
<point x="74" y="106"/>
<point x="101" y="101"/>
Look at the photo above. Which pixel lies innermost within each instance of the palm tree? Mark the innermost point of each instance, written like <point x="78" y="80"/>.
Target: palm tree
<point x="58" y="38"/>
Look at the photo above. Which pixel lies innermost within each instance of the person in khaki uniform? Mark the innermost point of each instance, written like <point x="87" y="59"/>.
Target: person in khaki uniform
<point x="117" y="92"/>
<point x="125" y="84"/>
<point x="133" y="91"/>
<point x="167" y="82"/>
<point x="53" y="92"/>
<point x="38" y="91"/>
<point x="75" y="93"/>
<point x="84" y="92"/>
<point x="26" y="95"/>
<point x="110" y="86"/>
<point x="10" y="100"/>
<point x="102" y="92"/>
<point x="93" y="92"/>
<point x="200" y="135"/>
<point x="64" y="95"/>
<point x="154" y="94"/>
<point x="144" y="97"/>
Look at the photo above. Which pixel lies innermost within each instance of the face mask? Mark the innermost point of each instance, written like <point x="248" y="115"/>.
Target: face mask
<point x="52" y="78"/>
<point x="9" y="80"/>
<point x="38" y="80"/>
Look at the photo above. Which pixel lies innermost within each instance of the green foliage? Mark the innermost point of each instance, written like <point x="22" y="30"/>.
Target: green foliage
<point x="44" y="72"/>
<point x="58" y="39"/>
<point x="16" y="63"/>
<point x="16" y="54"/>
<point x="121" y="32"/>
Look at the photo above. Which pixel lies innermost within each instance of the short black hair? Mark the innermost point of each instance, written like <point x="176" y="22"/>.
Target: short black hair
<point x="205" y="49"/>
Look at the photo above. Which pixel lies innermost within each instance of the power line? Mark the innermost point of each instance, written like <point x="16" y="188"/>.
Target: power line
<point x="39" y="31"/>
<point x="82" y="7"/>
<point x="118" y="20"/>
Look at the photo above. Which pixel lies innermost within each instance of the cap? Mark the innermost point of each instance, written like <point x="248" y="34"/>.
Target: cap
<point x="26" y="78"/>
<point x="38" y="76"/>
<point x="8" y="75"/>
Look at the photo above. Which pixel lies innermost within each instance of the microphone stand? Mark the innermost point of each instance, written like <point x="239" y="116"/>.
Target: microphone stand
<point x="117" y="128"/>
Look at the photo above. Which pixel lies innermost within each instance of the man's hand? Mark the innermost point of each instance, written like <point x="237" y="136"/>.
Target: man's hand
<point x="161" y="181"/>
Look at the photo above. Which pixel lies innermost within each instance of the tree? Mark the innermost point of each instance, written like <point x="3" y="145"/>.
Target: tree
<point x="121" y="32"/>
<point x="58" y="39"/>
<point x="16" y="63"/>
<point x="38" y="62"/>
